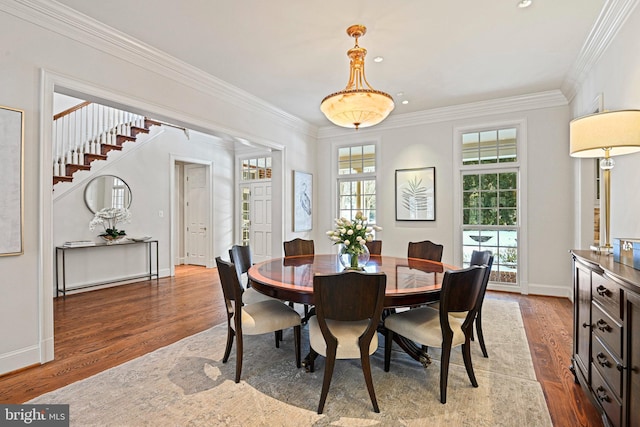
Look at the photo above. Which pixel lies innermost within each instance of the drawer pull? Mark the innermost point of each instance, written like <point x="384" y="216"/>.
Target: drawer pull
<point x="602" y="394"/>
<point x="586" y="325"/>
<point x="602" y="291"/>
<point x="603" y="326"/>
<point x="620" y="367"/>
<point x="602" y="360"/>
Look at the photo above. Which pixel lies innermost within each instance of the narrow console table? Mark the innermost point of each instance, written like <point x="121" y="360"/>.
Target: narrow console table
<point x="61" y="261"/>
<point x="606" y="336"/>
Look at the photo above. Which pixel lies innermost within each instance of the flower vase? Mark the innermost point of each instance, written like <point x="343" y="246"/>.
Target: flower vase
<point x="111" y="239"/>
<point x="352" y="261"/>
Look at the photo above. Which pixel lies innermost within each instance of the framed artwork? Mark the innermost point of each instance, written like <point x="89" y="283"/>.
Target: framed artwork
<point x="416" y="194"/>
<point x="11" y="168"/>
<point x="302" y="201"/>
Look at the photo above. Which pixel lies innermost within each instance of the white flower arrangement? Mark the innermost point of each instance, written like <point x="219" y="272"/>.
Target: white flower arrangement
<point x="109" y="219"/>
<point x="353" y="234"/>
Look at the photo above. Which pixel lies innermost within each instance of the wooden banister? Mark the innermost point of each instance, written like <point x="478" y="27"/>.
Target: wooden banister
<point x="71" y="110"/>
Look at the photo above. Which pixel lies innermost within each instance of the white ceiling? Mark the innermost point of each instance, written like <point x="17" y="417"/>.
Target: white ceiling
<point x="293" y="53"/>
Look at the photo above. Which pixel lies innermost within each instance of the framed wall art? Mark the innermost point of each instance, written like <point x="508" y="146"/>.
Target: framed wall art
<point x="416" y="194"/>
<point x="11" y="168"/>
<point x="302" y="201"/>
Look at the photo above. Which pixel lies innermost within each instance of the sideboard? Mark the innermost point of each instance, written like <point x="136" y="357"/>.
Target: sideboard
<point x="606" y="336"/>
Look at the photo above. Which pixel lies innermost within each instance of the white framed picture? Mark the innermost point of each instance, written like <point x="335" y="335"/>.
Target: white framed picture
<point x="302" y="201"/>
<point x="11" y="165"/>
<point x="416" y="194"/>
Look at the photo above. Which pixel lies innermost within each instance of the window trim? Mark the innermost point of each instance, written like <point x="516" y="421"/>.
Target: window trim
<point x="520" y="165"/>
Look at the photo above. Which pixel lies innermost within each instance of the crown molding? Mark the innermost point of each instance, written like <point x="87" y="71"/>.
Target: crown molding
<point x="63" y="20"/>
<point x="533" y="101"/>
<point x="611" y="19"/>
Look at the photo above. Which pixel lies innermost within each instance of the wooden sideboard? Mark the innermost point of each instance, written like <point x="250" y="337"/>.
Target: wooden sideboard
<point x="606" y="336"/>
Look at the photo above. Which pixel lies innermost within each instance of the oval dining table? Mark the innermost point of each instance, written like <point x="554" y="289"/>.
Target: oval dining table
<point x="410" y="282"/>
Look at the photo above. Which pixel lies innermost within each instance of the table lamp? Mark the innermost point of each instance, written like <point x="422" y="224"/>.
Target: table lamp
<point x="607" y="134"/>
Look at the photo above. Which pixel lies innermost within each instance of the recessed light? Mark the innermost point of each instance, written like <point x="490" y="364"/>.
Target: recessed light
<point x="378" y="59"/>
<point x="524" y="3"/>
<point x="405" y="102"/>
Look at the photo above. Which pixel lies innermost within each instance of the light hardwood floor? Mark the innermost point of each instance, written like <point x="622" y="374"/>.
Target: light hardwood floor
<point x="97" y="330"/>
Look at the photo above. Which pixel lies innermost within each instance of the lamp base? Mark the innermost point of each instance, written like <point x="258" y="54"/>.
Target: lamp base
<point x="603" y="250"/>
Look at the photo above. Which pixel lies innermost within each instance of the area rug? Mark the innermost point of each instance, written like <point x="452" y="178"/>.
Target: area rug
<point x="186" y="384"/>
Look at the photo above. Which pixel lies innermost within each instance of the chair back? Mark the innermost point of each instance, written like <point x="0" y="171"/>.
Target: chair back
<point x="231" y="288"/>
<point x="460" y="292"/>
<point x="375" y="247"/>
<point x="349" y="296"/>
<point x="241" y="257"/>
<point x="298" y="246"/>
<point x="483" y="258"/>
<point x="425" y="250"/>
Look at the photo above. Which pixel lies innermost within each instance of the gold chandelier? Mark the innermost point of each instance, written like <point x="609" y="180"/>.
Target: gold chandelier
<point x="357" y="106"/>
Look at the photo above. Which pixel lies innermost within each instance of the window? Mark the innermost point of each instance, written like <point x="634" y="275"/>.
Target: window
<point x="490" y="200"/>
<point x="257" y="168"/>
<point x="118" y="193"/>
<point x="357" y="181"/>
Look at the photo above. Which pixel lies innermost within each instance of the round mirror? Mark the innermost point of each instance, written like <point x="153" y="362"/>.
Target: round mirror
<point x="107" y="191"/>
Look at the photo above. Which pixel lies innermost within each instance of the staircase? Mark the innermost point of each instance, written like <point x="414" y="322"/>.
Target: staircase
<point x="88" y="132"/>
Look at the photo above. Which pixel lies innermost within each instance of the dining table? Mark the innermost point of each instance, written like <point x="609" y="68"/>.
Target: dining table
<point x="410" y="282"/>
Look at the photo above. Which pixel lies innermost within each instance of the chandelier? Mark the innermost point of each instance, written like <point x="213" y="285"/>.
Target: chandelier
<point x="358" y="105"/>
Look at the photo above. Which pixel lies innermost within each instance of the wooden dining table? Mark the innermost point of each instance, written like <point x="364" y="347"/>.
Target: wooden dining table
<point x="410" y="282"/>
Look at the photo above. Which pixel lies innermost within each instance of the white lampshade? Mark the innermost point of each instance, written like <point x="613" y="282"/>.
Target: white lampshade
<point x="357" y="108"/>
<point x="617" y="130"/>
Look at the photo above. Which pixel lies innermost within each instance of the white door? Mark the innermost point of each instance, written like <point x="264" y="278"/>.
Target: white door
<point x="196" y="214"/>
<point x="260" y="233"/>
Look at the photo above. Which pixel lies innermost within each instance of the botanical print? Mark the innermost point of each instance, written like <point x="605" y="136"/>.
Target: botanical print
<point x="415" y="194"/>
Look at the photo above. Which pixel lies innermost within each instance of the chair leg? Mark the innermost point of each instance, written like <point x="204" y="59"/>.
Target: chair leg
<point x="296" y="341"/>
<point x="227" y="350"/>
<point x="366" y="370"/>
<point x="238" y="356"/>
<point x="278" y="335"/>
<point x="388" y="341"/>
<point x="480" y="335"/>
<point x="326" y="382"/>
<point x="444" y="369"/>
<point x="466" y="355"/>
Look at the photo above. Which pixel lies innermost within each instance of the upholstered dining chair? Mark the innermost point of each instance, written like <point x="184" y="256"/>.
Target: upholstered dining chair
<point x="375" y="247"/>
<point x="439" y="328"/>
<point x="425" y="250"/>
<point x="241" y="257"/>
<point x="298" y="246"/>
<point x="482" y="258"/>
<point x="252" y="319"/>
<point x="348" y="310"/>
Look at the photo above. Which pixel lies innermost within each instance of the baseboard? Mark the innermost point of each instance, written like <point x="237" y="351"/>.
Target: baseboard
<point x="535" y="289"/>
<point x="19" y="359"/>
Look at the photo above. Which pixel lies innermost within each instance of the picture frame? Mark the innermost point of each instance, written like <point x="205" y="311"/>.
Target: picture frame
<point x="416" y="194"/>
<point x="302" y="201"/>
<point x="12" y="167"/>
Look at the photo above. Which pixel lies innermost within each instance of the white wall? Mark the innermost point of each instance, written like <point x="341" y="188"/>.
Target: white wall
<point x="548" y="181"/>
<point x="617" y="77"/>
<point x="39" y="48"/>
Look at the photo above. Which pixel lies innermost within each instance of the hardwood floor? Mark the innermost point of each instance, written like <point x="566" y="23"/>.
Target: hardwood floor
<point x="97" y="330"/>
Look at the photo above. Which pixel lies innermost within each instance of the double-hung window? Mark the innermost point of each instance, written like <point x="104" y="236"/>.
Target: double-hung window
<point x="357" y="181"/>
<point x="490" y="176"/>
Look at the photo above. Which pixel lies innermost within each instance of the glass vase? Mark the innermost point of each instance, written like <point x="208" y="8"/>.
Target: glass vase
<point x="352" y="261"/>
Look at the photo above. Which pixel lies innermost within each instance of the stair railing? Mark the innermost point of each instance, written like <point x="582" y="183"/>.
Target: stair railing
<point x="83" y="129"/>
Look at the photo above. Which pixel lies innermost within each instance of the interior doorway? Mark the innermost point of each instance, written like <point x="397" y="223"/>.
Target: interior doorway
<point x="256" y="207"/>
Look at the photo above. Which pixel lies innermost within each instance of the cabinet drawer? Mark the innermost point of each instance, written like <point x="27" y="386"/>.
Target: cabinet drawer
<point x="607" y="365"/>
<point x="606" y="398"/>
<point x="607" y="329"/>
<point x="607" y="293"/>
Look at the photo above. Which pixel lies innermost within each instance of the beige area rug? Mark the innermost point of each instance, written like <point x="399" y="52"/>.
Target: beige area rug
<point x="186" y="384"/>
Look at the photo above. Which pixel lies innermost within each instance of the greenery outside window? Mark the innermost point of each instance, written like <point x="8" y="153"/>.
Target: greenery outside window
<point x="357" y="182"/>
<point x="490" y="200"/>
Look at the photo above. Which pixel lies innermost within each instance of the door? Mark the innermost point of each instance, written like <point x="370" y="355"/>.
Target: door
<point x="196" y="214"/>
<point x="260" y="225"/>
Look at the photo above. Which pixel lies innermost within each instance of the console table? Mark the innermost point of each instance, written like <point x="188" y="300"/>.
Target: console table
<point x="606" y="336"/>
<point x="61" y="261"/>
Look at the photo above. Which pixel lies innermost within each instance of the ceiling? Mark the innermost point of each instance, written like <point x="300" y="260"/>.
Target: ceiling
<point x="293" y="53"/>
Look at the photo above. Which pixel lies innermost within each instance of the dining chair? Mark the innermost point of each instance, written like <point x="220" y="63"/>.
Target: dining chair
<point x="348" y="310"/>
<point x="439" y="328"/>
<point x="375" y="247"/>
<point x="481" y="258"/>
<point x="252" y="319"/>
<point x="425" y="250"/>
<point x="298" y="246"/>
<point x="241" y="257"/>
